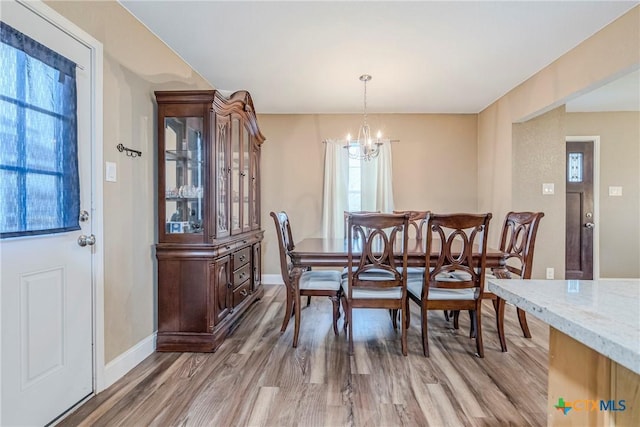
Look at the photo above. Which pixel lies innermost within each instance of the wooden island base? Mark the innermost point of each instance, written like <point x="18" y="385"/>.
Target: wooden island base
<point x="578" y="373"/>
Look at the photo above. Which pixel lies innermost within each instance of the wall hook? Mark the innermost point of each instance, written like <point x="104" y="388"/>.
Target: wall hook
<point x="130" y="152"/>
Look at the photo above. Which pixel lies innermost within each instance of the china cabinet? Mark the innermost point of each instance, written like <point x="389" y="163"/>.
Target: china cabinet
<point x="209" y="234"/>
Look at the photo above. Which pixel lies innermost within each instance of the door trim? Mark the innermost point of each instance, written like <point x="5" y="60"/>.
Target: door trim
<point x="41" y="9"/>
<point x="596" y="197"/>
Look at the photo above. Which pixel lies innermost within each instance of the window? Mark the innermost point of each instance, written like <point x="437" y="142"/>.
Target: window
<point x="354" y="185"/>
<point x="39" y="184"/>
<point x="354" y="188"/>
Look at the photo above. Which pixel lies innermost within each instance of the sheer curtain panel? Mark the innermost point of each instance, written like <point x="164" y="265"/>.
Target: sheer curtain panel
<point x="375" y="182"/>
<point x="336" y="179"/>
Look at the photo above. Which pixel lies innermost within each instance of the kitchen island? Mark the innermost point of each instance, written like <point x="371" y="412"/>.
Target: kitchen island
<point x="594" y="346"/>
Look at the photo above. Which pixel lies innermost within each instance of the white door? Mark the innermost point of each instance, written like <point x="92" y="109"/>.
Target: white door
<point x="46" y="281"/>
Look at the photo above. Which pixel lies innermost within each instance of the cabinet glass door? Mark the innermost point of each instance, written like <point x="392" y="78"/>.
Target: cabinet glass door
<point x="244" y="176"/>
<point x="223" y="172"/>
<point x="254" y="175"/>
<point x="184" y="175"/>
<point x="235" y="176"/>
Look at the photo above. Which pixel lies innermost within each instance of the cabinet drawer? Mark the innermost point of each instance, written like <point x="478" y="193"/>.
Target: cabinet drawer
<point x="241" y="257"/>
<point x="241" y="275"/>
<point x="241" y="293"/>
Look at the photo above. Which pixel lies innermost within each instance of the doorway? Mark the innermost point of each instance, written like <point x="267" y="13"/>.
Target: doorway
<point x="581" y="209"/>
<point x="51" y="286"/>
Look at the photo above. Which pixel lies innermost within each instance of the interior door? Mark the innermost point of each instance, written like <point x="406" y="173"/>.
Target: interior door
<point x="46" y="281"/>
<point x="579" y="216"/>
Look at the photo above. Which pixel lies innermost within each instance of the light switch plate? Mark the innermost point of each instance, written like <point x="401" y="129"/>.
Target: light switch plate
<point x="615" y="191"/>
<point x="110" y="173"/>
<point x="548" y="189"/>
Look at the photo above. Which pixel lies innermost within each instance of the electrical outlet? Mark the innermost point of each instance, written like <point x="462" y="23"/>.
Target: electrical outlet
<point x="550" y="272"/>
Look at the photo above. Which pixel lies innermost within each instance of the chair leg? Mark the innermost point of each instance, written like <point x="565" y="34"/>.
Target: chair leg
<point x="425" y="337"/>
<point x="446" y="315"/>
<point x="456" y="315"/>
<point x="403" y="325"/>
<point x="478" y="322"/>
<point x="394" y="318"/>
<point x="349" y="319"/>
<point x="336" y="312"/>
<point x="472" y="321"/>
<point x="296" y="312"/>
<point x="346" y="317"/>
<point x="308" y="300"/>
<point x="499" y="304"/>
<point x="408" y="317"/>
<point x="288" y="311"/>
<point x="522" y="317"/>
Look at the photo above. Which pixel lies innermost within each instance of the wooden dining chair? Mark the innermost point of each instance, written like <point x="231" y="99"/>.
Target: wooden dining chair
<point x="456" y="282"/>
<point x="373" y="279"/>
<point x="518" y="239"/>
<point x="301" y="281"/>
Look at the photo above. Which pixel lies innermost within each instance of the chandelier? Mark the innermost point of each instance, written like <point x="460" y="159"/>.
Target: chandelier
<point x="365" y="146"/>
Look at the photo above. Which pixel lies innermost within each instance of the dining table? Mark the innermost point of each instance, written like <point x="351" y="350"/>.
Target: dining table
<point x="334" y="252"/>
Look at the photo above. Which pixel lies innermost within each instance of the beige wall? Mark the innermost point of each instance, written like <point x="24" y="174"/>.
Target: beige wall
<point x="538" y="157"/>
<point x="619" y="222"/>
<point x="434" y="166"/>
<point x="611" y="52"/>
<point x="135" y="64"/>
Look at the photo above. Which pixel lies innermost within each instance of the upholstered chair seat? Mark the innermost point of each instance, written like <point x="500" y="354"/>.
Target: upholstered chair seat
<point x="320" y="280"/>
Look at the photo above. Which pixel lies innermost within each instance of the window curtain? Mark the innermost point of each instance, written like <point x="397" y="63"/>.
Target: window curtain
<point x="376" y="186"/>
<point x="377" y="182"/>
<point x="336" y="178"/>
<point x="39" y="183"/>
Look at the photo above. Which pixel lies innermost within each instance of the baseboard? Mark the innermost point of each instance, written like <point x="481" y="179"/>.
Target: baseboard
<point x="128" y="360"/>
<point x="272" y="279"/>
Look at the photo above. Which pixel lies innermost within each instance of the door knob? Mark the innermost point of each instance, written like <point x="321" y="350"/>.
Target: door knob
<point x="589" y="225"/>
<point x="86" y="240"/>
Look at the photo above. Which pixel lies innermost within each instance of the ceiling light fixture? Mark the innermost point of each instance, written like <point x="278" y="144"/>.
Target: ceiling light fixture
<point x="365" y="146"/>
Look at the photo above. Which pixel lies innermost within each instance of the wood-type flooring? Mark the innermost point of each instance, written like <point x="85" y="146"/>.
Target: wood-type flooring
<point x="256" y="378"/>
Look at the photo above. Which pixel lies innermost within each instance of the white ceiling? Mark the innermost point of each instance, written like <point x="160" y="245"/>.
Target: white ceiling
<point x="424" y="56"/>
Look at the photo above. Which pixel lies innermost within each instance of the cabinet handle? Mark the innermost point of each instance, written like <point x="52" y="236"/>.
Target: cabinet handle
<point x="227" y="247"/>
<point x="210" y="328"/>
<point x="243" y="174"/>
<point x="242" y="258"/>
<point x="244" y="293"/>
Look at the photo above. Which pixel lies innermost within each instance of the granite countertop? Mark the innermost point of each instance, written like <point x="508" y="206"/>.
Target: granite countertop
<point x="601" y="314"/>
